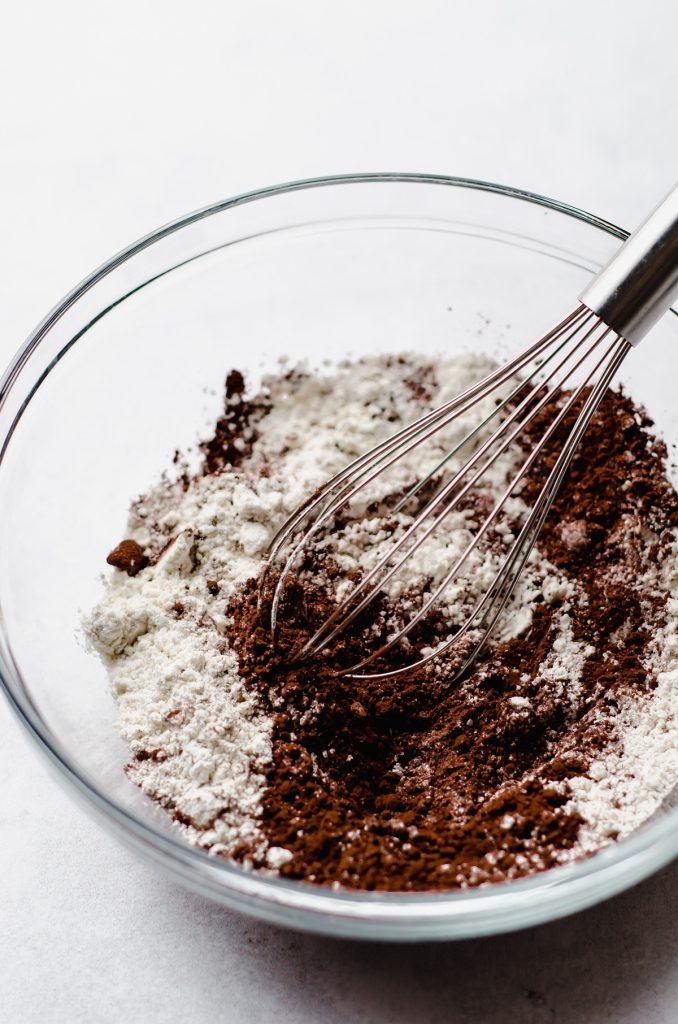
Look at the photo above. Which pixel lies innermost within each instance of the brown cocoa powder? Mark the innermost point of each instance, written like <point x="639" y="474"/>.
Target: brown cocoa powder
<point x="424" y="782"/>
<point x="234" y="434"/>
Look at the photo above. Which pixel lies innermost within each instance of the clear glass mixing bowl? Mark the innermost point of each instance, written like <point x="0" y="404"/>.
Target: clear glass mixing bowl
<point x="130" y="365"/>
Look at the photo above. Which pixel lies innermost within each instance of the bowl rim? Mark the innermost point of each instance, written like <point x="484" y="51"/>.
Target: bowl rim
<point x="485" y="910"/>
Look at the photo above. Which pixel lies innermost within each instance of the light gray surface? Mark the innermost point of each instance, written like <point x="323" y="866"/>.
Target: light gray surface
<point x="115" y="119"/>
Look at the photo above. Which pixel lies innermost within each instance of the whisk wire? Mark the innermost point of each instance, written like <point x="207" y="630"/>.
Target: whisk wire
<point x="341" y="618"/>
<point x="497" y="595"/>
<point x="458" y="405"/>
<point x="382" y="456"/>
<point x="503" y="404"/>
<point x="556" y="357"/>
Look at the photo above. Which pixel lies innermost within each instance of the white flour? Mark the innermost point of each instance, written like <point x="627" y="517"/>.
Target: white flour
<point x="628" y="783"/>
<point x="201" y="742"/>
<point x="204" y="741"/>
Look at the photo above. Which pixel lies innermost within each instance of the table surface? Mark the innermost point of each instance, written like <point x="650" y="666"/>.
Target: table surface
<point x="116" y="119"/>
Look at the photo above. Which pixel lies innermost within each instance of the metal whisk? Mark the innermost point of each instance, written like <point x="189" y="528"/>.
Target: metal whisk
<point x="616" y="311"/>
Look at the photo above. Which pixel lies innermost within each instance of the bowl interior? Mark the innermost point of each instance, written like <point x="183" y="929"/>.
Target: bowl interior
<point x="133" y="369"/>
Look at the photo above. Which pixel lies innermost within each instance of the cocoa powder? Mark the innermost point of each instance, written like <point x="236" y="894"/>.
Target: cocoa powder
<point x="427" y="782"/>
<point x="234" y="434"/>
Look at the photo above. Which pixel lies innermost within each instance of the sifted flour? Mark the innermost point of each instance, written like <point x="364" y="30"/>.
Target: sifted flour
<point x="629" y="781"/>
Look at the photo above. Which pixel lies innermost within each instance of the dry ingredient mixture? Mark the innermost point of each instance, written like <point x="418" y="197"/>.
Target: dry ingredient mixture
<point x="561" y="738"/>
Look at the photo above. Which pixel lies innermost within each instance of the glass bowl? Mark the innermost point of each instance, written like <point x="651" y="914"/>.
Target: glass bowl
<point x="130" y="366"/>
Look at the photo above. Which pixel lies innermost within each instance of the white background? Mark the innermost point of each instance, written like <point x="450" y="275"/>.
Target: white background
<point x="117" y="117"/>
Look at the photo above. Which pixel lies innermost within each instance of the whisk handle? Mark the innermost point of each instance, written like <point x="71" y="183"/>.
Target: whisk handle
<point x="640" y="283"/>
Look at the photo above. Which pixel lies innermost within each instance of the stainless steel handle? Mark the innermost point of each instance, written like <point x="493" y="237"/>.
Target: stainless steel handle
<point x="640" y="283"/>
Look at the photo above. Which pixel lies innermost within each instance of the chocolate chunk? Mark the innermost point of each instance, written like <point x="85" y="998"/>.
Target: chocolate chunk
<point x="235" y="383"/>
<point x="129" y="557"/>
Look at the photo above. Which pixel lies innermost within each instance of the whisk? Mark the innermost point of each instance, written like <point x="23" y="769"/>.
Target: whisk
<point x="615" y="311"/>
